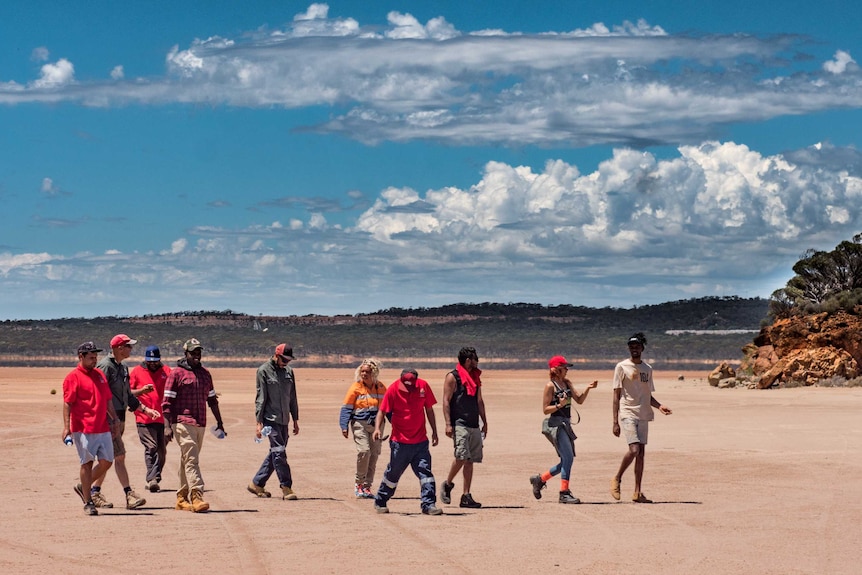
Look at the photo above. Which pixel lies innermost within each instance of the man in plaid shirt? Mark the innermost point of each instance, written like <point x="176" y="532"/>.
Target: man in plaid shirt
<point x="188" y="390"/>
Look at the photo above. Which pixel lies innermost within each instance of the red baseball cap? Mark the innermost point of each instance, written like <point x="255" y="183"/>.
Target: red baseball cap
<point x="284" y="350"/>
<point x="122" y="339"/>
<point x="409" y="376"/>
<point x="558" y="361"/>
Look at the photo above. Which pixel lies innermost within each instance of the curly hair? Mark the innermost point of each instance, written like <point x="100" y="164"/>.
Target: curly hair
<point x="375" y="368"/>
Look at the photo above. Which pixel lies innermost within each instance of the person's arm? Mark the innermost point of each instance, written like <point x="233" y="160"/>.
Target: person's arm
<point x="67" y="411"/>
<point x="432" y="421"/>
<point x="448" y="392"/>
<point x="212" y="400"/>
<point x="581" y="397"/>
<point x="547" y="396"/>
<point x="616" y="407"/>
<point x="344" y="417"/>
<point x="655" y="403"/>
<point x="482" y="410"/>
<point x="259" y="400"/>
<point x="294" y="407"/>
<point x="378" y="423"/>
<point x="170" y="396"/>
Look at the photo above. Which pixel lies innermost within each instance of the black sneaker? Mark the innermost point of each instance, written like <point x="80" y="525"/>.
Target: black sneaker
<point x="538" y="485"/>
<point x="567" y="497"/>
<point x="446" y="492"/>
<point x="432" y="510"/>
<point x="468" y="502"/>
<point x="90" y="508"/>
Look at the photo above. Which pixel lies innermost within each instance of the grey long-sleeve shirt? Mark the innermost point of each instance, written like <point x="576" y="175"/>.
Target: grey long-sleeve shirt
<point x="276" y="394"/>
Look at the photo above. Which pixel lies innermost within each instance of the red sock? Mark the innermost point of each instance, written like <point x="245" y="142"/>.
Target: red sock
<point x="546" y="476"/>
<point x="564" y="485"/>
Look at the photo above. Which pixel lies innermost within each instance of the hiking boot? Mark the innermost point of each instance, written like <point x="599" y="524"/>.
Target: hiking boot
<point x="198" y="503"/>
<point x="380" y="508"/>
<point x="287" y="493"/>
<point x="182" y="503"/>
<point x="80" y="491"/>
<point x="640" y="498"/>
<point x="567" y="497"/>
<point x="153" y="486"/>
<point x="100" y="501"/>
<point x="468" y="502"/>
<point x="538" y="485"/>
<point x="258" y="490"/>
<point x="446" y="492"/>
<point x="432" y="510"/>
<point x="133" y="501"/>
<point x="90" y="508"/>
<point x="615" y="488"/>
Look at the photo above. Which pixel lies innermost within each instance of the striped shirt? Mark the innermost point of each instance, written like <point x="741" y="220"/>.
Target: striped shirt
<point x="361" y="403"/>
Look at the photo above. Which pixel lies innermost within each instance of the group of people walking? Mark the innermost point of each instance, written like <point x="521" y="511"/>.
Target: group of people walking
<point x="172" y="403"/>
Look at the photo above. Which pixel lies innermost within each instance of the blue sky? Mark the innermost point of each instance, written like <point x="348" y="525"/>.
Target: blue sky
<point x="293" y="158"/>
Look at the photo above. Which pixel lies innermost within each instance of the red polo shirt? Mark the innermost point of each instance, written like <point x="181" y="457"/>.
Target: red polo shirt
<point x="88" y="394"/>
<point x="407" y="405"/>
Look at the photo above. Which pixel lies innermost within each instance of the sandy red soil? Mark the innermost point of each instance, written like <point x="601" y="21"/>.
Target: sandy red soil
<point x="743" y="481"/>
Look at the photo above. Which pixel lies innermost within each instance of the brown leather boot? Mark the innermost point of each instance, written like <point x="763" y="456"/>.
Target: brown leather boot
<point x="198" y="503"/>
<point x="182" y="502"/>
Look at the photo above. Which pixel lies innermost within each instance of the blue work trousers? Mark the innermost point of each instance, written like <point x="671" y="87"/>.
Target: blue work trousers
<point x="276" y="459"/>
<point x="417" y="456"/>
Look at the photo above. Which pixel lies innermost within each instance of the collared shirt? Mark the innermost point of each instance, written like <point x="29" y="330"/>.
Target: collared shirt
<point x="118" y="380"/>
<point x="407" y="405"/>
<point x="275" y="401"/>
<point x="361" y="403"/>
<point x="140" y="377"/>
<point x="88" y="394"/>
<point x="187" y="393"/>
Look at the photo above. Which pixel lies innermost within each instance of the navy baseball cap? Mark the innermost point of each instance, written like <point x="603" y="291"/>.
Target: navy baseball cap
<point x="152" y="353"/>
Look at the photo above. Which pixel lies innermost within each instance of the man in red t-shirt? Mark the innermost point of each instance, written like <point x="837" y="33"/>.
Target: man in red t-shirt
<point x="89" y="419"/>
<point x="147" y="383"/>
<point x="407" y="402"/>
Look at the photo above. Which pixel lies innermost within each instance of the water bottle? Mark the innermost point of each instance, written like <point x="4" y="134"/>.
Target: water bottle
<point x="219" y="433"/>
<point x="67" y="440"/>
<point x="264" y="432"/>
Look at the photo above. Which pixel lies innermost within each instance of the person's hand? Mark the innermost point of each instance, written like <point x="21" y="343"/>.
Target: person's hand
<point x="449" y="430"/>
<point x="616" y="429"/>
<point x="153" y="413"/>
<point x="664" y="410"/>
<point x="169" y="432"/>
<point x="148" y="388"/>
<point x="295" y="427"/>
<point x="434" y="440"/>
<point x="344" y="433"/>
<point x="66" y="432"/>
<point x="485" y="430"/>
<point x="593" y="385"/>
<point x="376" y="435"/>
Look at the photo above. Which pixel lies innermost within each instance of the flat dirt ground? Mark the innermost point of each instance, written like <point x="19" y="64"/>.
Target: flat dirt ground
<point x="744" y="481"/>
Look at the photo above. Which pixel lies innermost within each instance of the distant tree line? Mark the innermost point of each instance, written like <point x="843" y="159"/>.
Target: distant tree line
<point x="519" y="335"/>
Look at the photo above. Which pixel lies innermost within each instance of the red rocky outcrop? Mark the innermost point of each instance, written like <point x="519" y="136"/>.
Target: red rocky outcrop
<point x="806" y="349"/>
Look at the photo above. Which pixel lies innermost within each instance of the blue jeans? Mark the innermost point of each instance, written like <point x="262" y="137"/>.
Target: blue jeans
<point x="276" y="459"/>
<point x="566" y="448"/>
<point x="417" y="456"/>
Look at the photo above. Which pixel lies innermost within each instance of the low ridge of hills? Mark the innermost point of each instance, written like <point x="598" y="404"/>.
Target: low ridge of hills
<point x="685" y="334"/>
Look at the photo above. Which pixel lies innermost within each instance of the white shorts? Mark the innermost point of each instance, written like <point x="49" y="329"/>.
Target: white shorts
<point x="636" y="430"/>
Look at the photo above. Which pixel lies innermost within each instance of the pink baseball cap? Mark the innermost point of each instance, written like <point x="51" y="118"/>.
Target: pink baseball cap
<point x="122" y="339"/>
